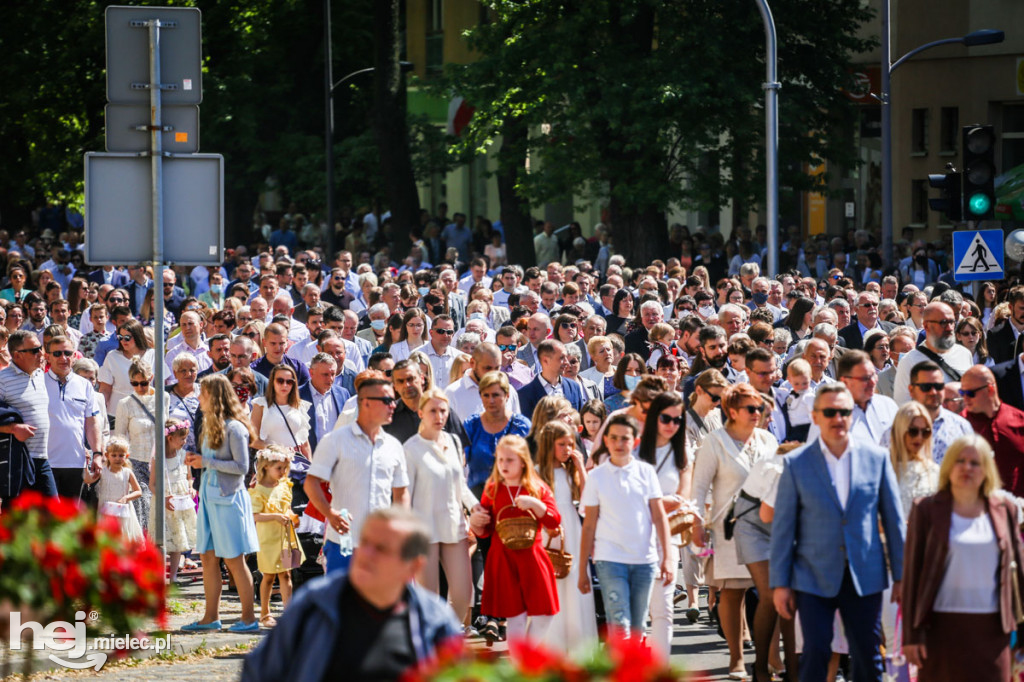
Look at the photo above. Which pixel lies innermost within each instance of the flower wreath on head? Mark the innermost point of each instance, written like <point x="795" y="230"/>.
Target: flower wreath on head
<point x="275" y="454"/>
<point x="185" y="424"/>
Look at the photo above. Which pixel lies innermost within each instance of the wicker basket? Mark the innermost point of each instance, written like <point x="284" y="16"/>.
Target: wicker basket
<point x="681" y="524"/>
<point x="516" y="532"/>
<point x="561" y="560"/>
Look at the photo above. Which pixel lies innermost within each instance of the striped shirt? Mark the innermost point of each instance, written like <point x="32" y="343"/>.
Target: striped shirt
<point x="27" y="394"/>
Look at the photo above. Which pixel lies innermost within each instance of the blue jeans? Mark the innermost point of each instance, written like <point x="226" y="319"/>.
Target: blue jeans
<point x="335" y="562"/>
<point x="626" y="592"/>
<point x="44" y="477"/>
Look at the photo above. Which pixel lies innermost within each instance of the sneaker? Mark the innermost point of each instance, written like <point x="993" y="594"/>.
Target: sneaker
<point x="470" y="632"/>
<point x="692" y="614"/>
<point x="680" y="595"/>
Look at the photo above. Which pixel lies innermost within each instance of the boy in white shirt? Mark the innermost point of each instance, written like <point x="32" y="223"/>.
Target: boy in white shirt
<point x="800" y="401"/>
<point x="623" y="512"/>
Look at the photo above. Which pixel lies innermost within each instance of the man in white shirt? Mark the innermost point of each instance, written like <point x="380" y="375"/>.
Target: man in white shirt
<point x="191" y="343"/>
<point x="439" y="351"/>
<point x="939" y="346"/>
<point x="509" y="281"/>
<point x="73" y="420"/>
<point x="624" y="515"/>
<point x="477" y="275"/>
<point x="464" y="394"/>
<point x="304" y="350"/>
<point x="873" y="414"/>
<point x="365" y="468"/>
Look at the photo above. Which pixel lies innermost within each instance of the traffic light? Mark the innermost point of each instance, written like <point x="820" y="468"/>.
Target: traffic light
<point x="979" y="172"/>
<point x="949" y="203"/>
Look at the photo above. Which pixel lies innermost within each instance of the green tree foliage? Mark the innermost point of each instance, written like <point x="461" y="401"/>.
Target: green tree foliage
<point x="649" y="104"/>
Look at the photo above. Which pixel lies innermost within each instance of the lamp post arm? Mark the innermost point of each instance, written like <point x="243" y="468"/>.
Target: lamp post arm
<point x="922" y="48"/>
<point x="352" y="75"/>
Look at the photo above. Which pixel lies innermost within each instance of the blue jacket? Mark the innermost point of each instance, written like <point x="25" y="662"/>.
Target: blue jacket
<point x="300" y="647"/>
<point x="814" y="539"/>
<point x="338" y="394"/>
<point x="532" y="393"/>
<point x="16" y="469"/>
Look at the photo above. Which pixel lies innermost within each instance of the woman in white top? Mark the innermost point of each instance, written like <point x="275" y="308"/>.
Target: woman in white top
<point x="135" y="421"/>
<point x="962" y="564"/>
<point x="414" y="334"/>
<point x="279" y="417"/>
<point x="721" y="465"/>
<point x="910" y="448"/>
<point x="602" y="371"/>
<point x="114" y="380"/>
<point x="438" y="494"/>
<point x="662" y="445"/>
<point x="560" y="465"/>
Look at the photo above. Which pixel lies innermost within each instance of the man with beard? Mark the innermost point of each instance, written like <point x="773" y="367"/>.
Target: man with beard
<point x="713" y="353"/>
<point x="939" y="346"/>
<point x="218" y="353"/>
<point x="409" y="383"/>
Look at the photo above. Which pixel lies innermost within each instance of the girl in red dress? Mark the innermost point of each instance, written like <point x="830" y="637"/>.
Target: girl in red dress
<point x="518" y="584"/>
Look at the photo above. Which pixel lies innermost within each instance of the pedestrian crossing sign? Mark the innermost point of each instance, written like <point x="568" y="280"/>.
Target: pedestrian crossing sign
<point x="978" y="255"/>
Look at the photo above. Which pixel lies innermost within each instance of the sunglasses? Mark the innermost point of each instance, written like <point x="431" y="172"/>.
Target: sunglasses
<point x="830" y="412"/>
<point x="284" y="381"/>
<point x="140" y="384"/>
<point x="34" y="351"/>
<point x="752" y="409"/>
<point x="445" y="332"/>
<point x="62" y="353"/>
<point x="503" y="347"/>
<point x="251" y="335"/>
<point x="971" y="392"/>
<point x="387" y="400"/>
<point x="930" y="387"/>
<point x="914" y="432"/>
<point x="124" y="337"/>
<point x="667" y="419"/>
<point x="715" y="397"/>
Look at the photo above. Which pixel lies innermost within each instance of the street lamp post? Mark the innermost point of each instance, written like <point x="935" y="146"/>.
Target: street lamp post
<point x="771" y="138"/>
<point x="981" y="37"/>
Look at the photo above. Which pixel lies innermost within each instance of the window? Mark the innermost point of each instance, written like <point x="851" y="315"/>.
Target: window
<point x="435" y="37"/>
<point x="919" y="132"/>
<point x="919" y="202"/>
<point x="950" y="131"/>
<point x="1012" y="137"/>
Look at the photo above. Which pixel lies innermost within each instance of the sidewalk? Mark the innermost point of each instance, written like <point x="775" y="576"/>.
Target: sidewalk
<point x="184" y="606"/>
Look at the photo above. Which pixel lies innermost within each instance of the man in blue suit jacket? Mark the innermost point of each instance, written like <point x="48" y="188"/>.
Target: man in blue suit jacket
<point x="118" y="278"/>
<point x="551" y="355"/>
<point x="322" y="369"/>
<point x="826" y="549"/>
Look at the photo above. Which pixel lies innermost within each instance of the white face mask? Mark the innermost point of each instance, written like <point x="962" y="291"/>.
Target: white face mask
<point x="706" y="311"/>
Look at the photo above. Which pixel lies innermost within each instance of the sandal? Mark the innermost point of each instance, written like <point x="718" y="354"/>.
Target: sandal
<point x="490" y="631"/>
<point x="268" y="621"/>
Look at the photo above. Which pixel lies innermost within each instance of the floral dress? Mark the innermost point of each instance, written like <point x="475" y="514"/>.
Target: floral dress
<point x="179" y="524"/>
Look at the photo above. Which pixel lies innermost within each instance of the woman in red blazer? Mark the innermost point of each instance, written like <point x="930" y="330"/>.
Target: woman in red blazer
<point x="961" y="559"/>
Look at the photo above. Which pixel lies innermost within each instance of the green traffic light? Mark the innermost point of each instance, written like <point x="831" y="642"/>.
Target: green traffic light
<point x="979" y="204"/>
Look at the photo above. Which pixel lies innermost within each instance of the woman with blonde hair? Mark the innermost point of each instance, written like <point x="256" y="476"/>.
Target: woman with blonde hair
<point x="226" y="528"/>
<point x="460" y="364"/>
<point x="426" y="369"/>
<point x="962" y="568"/>
<point x="910" y="448"/>
<point x="721" y="465"/>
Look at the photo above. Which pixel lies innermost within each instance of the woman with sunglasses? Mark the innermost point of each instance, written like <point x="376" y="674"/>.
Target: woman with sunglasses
<point x="721" y="465"/>
<point x="253" y="330"/>
<point x="279" y="417"/>
<point x="910" y="447"/>
<point x="135" y="420"/>
<point x="970" y="334"/>
<point x="115" y="381"/>
<point x="17" y="290"/>
<point x="662" y="445"/>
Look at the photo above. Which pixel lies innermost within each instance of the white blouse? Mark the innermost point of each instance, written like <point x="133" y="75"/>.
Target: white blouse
<point x="437" y="486"/>
<point x="115" y="372"/>
<point x="970" y="584"/>
<point x="273" y="428"/>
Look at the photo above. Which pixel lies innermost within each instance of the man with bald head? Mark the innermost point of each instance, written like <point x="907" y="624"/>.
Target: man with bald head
<point x="538" y="328"/>
<point x="939" y="346"/>
<point x="817" y="355"/>
<point x="464" y="394"/>
<point x="998" y="423"/>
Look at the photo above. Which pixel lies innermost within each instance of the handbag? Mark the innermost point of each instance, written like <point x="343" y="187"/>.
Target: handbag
<point x="729" y="523"/>
<point x="291" y="555"/>
<point x="897" y="668"/>
<point x="1018" y="604"/>
<point x="115" y="509"/>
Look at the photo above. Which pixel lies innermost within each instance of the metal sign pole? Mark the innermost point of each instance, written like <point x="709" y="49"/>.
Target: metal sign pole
<point x="157" y="479"/>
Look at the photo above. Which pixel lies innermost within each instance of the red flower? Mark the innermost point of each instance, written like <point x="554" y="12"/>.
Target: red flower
<point x="634" y="660"/>
<point x="5" y="533"/>
<point x="30" y="499"/>
<point x="56" y="591"/>
<point x="51" y="557"/>
<point x="533" y="659"/>
<point x="75" y="584"/>
<point x="62" y="508"/>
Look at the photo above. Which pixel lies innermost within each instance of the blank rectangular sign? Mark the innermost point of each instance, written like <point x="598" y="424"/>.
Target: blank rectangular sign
<point x="128" y="54"/>
<point x="118" y="209"/>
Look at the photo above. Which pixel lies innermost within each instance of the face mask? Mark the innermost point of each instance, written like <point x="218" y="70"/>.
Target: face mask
<point x="631" y="382"/>
<point x="921" y="260"/>
<point x="477" y="316"/>
<point x="215" y="289"/>
<point x="378" y="325"/>
<point x="760" y="298"/>
<point x="423" y="291"/>
<point x="437" y="310"/>
<point x="706" y="311"/>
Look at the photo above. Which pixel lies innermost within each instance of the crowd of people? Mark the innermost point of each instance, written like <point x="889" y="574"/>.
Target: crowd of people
<point x="844" y="442"/>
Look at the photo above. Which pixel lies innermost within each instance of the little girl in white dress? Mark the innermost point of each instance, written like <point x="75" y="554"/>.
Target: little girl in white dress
<point x="179" y="502"/>
<point x="117" y="488"/>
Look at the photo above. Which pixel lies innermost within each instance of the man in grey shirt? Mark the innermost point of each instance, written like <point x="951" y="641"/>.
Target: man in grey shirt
<point x="22" y="386"/>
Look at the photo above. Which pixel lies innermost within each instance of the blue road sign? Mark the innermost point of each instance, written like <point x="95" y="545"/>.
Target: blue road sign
<point x="978" y="255"/>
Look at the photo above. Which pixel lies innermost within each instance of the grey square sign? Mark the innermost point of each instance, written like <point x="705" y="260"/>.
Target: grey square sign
<point x="119" y="206"/>
<point x="128" y="54"/>
<point x="123" y="119"/>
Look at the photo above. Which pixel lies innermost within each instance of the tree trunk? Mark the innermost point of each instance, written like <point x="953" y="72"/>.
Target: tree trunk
<point x="640" y="235"/>
<point x="390" y="125"/>
<point x="515" y="212"/>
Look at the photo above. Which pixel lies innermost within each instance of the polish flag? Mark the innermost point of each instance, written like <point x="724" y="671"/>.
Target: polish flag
<point x="459" y="113"/>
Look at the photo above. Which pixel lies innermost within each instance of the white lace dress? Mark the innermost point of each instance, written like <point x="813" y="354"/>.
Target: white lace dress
<point x="275" y="431"/>
<point x="180" y="524"/>
<point x="111" y="488"/>
<point x="134" y="423"/>
<point x="918" y="479"/>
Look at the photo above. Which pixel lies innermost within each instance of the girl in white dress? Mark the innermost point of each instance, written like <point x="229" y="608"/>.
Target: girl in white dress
<point x="561" y="466"/>
<point x="117" y="488"/>
<point x="179" y="502"/>
<point x="279" y="417"/>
